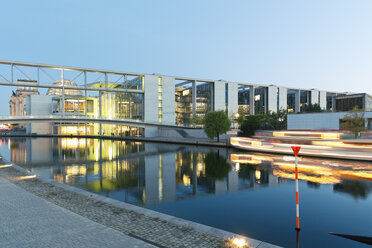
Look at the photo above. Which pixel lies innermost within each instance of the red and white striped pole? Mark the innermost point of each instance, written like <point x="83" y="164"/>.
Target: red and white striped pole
<point x="296" y="150"/>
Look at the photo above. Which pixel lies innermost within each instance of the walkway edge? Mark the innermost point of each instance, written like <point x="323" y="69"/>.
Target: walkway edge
<point x="150" y="213"/>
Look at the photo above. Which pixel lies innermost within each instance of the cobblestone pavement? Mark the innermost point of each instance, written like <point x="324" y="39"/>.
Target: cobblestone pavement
<point x="30" y="221"/>
<point x="152" y="230"/>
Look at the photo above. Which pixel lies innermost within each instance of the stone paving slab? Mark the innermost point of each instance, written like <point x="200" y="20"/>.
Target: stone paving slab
<point x="30" y="221"/>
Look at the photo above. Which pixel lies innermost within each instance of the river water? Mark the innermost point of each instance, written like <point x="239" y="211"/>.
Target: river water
<point x="251" y="194"/>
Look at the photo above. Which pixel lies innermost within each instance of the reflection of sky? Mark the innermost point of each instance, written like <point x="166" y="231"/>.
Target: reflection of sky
<point x="256" y="197"/>
<point x="4" y="149"/>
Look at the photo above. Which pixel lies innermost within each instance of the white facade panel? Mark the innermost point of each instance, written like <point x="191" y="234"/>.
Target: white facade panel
<point x="251" y="100"/>
<point x="39" y="105"/>
<point x="232" y="98"/>
<point x="272" y="94"/>
<point x="169" y="106"/>
<point x="323" y="99"/>
<point x="219" y="95"/>
<point x="151" y="101"/>
<point x="297" y="101"/>
<point x="151" y="98"/>
<point x="283" y="98"/>
<point x="314" y="97"/>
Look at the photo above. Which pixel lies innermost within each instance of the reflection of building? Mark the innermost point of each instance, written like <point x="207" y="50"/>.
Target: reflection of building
<point x="18" y="99"/>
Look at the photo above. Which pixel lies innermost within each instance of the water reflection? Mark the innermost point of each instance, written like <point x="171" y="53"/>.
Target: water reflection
<point x="251" y="194"/>
<point x="145" y="173"/>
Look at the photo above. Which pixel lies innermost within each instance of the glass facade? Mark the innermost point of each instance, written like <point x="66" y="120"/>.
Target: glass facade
<point x="329" y="102"/>
<point x="348" y="103"/>
<point x="243" y="100"/>
<point x="260" y="100"/>
<point x="183" y="104"/>
<point x="304" y="100"/>
<point x="204" y="99"/>
<point x="291" y="101"/>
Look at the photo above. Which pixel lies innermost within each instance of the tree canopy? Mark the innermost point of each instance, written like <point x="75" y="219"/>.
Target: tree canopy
<point x="274" y="120"/>
<point x="250" y="124"/>
<point x="354" y="121"/>
<point x="216" y="123"/>
<point x="313" y="108"/>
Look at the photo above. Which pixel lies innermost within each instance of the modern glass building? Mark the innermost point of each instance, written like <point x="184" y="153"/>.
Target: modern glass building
<point x="152" y="100"/>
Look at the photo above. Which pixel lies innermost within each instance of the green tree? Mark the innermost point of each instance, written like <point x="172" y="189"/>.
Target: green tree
<point x="242" y="112"/>
<point x="313" y="108"/>
<point x="275" y="120"/>
<point x="196" y="120"/>
<point x="354" y="121"/>
<point x="216" y="123"/>
<point x="251" y="124"/>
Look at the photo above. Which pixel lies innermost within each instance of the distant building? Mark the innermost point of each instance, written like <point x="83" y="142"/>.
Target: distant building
<point x="332" y="120"/>
<point x="349" y="102"/>
<point x="321" y="121"/>
<point x="18" y="98"/>
<point x="158" y="101"/>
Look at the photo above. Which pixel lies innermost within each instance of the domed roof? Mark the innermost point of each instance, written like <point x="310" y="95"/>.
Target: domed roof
<point x="68" y="92"/>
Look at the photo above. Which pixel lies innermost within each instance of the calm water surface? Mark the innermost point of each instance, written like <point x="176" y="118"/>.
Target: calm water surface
<point x="247" y="193"/>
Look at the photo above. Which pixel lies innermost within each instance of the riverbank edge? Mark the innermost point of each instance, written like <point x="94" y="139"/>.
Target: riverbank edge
<point x="219" y="233"/>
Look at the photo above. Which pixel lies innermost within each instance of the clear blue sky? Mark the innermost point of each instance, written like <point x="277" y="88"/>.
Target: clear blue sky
<point x="311" y="44"/>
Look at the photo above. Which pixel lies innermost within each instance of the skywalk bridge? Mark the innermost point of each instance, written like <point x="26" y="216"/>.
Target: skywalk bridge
<point x="82" y="119"/>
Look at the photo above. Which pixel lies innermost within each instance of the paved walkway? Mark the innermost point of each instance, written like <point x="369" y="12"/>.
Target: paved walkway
<point x="27" y="220"/>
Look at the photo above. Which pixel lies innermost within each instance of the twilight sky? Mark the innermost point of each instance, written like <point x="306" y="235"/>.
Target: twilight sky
<point x="323" y="44"/>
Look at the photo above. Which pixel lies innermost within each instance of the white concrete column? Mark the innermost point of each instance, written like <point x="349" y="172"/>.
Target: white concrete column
<point x="334" y="103"/>
<point x="297" y="101"/>
<point x="219" y="95"/>
<point x="314" y="95"/>
<point x="151" y="98"/>
<point x="63" y="91"/>
<point x="323" y="99"/>
<point x="194" y="93"/>
<point x="169" y="105"/>
<point x="251" y="100"/>
<point x="151" y="104"/>
<point x="283" y="98"/>
<point x="272" y="98"/>
<point x="232" y="98"/>
<point x="100" y="110"/>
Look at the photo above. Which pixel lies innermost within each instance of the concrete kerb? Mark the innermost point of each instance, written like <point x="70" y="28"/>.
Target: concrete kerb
<point x="150" y="213"/>
<point x="194" y="142"/>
